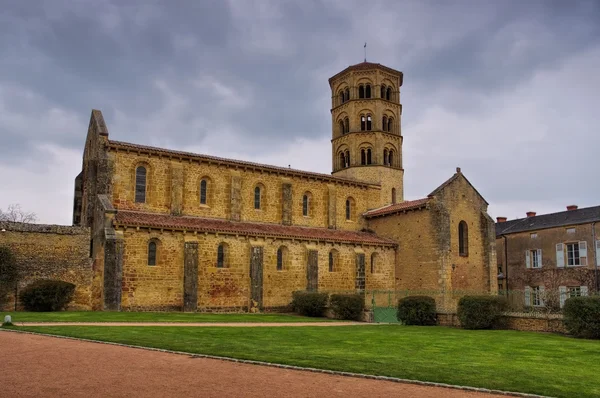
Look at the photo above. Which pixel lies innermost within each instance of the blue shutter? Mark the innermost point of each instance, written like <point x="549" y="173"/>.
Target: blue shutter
<point x="560" y="255"/>
<point x="539" y="254"/>
<point x="527" y="259"/>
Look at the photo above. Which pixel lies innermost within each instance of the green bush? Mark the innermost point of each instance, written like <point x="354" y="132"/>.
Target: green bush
<point x="582" y="316"/>
<point x="347" y="306"/>
<point x="309" y="303"/>
<point x="479" y="312"/>
<point x="417" y="310"/>
<point x="47" y="295"/>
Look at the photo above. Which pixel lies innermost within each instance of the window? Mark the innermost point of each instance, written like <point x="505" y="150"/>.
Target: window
<point x="361" y="91"/>
<point x="257" y="197"/>
<point x="342" y="160"/>
<point x="388" y="95"/>
<point x="363" y="123"/>
<point x="368" y="91"/>
<point x="281" y="257"/>
<point x="342" y="128"/>
<point x="382" y="94"/>
<point x="571" y="230"/>
<point x="576" y="253"/>
<point x="331" y="261"/>
<point x="534" y="296"/>
<point x="347" y="125"/>
<point x="152" y="253"/>
<point x="203" y="185"/>
<point x="533" y="258"/>
<point x="347" y="94"/>
<point x="306" y="199"/>
<point x="363" y="157"/>
<point x="393" y="195"/>
<point x="347" y="158"/>
<point x="140" y="184"/>
<point x="368" y="155"/>
<point x="566" y="292"/>
<point x="463" y="239"/>
<point x="222" y="256"/>
<point x="391" y="157"/>
<point x="385" y="157"/>
<point x="384" y="123"/>
<point x="390" y="124"/>
<point x="369" y="122"/>
<point x="348" y="209"/>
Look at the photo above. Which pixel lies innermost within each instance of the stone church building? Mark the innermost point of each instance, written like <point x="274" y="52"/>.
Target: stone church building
<point x="174" y="230"/>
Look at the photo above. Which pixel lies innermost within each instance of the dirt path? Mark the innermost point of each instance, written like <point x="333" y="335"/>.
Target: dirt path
<point x="39" y="366"/>
<point x="200" y="324"/>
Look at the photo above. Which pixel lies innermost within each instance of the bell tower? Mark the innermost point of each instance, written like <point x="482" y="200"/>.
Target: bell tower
<point x="366" y="127"/>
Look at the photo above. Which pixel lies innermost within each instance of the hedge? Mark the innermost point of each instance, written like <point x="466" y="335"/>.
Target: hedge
<point x="47" y="295"/>
<point x="479" y="312"/>
<point x="309" y="303"/>
<point x="417" y="310"/>
<point x="347" y="306"/>
<point x="581" y="316"/>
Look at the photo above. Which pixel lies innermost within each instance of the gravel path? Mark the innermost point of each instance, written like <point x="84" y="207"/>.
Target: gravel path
<point x="40" y="366"/>
<point x="200" y="324"/>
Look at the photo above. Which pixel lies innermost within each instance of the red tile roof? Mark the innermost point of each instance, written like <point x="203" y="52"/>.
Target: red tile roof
<point x="167" y="221"/>
<point x="233" y="162"/>
<point x="406" y="205"/>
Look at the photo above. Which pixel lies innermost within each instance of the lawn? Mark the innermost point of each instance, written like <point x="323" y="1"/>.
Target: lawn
<point x="528" y="362"/>
<point x="105" y="316"/>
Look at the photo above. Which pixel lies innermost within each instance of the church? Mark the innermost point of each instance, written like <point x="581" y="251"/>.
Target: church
<point x="180" y="231"/>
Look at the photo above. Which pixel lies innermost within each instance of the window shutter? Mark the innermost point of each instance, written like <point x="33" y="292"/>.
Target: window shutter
<point x="598" y="253"/>
<point x="539" y="252"/>
<point x="527" y="259"/>
<point x="583" y="253"/>
<point x="542" y="296"/>
<point x="562" y="290"/>
<point x="527" y="296"/>
<point x="560" y="255"/>
<point x="584" y="290"/>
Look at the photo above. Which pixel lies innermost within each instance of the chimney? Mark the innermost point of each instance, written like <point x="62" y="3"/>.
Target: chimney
<point x="501" y="219"/>
<point x="530" y="214"/>
<point x="571" y="207"/>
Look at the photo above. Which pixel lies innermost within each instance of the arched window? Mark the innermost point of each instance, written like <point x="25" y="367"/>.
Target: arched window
<point x="347" y="158"/>
<point x="306" y="205"/>
<point x="203" y="188"/>
<point x="342" y="129"/>
<point x="373" y="262"/>
<point x="368" y="91"/>
<point x="342" y="160"/>
<point x="391" y="157"/>
<point x="333" y="260"/>
<point x="222" y="255"/>
<point x="382" y="95"/>
<point x="152" y="253"/>
<point x="341" y="97"/>
<point x="282" y="254"/>
<point x="390" y="124"/>
<point x="349" y="208"/>
<point x="257" y="197"/>
<point x="393" y="195"/>
<point x="388" y="94"/>
<point x="361" y="91"/>
<point x="369" y="121"/>
<point x="347" y="125"/>
<point x="363" y="157"/>
<point x="463" y="239"/>
<point x="385" y="157"/>
<point x="140" y="184"/>
<point x="363" y="123"/>
<point x="347" y="94"/>
<point x="384" y="123"/>
<point x="330" y="261"/>
<point x="368" y="155"/>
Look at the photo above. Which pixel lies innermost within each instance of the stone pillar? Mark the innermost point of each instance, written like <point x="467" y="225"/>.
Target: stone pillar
<point x="236" y="197"/>
<point x="113" y="270"/>
<point x="331" y="207"/>
<point x="286" y="203"/>
<point x="256" y="278"/>
<point x="312" y="271"/>
<point x="190" y="276"/>
<point x="176" y="188"/>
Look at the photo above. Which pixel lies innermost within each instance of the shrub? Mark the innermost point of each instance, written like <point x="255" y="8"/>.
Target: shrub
<point x="47" y="295"/>
<point x="582" y="316"/>
<point x="309" y="303"/>
<point x="479" y="312"/>
<point x="347" y="306"/>
<point x="417" y="310"/>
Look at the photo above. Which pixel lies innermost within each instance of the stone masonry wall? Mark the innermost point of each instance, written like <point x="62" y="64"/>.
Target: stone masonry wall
<point x="51" y="252"/>
<point x="161" y="286"/>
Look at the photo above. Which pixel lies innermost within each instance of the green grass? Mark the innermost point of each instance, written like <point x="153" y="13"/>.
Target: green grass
<point x="528" y="362"/>
<point x="102" y="316"/>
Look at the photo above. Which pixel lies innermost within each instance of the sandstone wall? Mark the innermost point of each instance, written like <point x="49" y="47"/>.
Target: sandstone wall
<point x="51" y="252"/>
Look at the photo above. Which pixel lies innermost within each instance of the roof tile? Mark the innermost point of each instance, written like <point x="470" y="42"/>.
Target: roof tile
<point x="406" y="205"/>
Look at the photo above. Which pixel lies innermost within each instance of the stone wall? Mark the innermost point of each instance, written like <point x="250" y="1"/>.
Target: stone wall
<point x="515" y="321"/>
<point x="228" y="288"/>
<point x="51" y="252"/>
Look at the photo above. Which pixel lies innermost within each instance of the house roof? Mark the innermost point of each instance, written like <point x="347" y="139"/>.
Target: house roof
<point x="452" y="179"/>
<point x="397" y="207"/>
<point x="119" y="145"/>
<point x="212" y="225"/>
<point x="543" y="221"/>
<point x="367" y="65"/>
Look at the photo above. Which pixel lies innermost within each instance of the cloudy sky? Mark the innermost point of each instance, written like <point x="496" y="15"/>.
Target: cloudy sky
<point x="507" y="90"/>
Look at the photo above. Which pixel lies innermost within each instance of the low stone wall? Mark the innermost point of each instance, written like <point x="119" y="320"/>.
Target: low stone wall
<point x="50" y="252"/>
<point x="515" y="321"/>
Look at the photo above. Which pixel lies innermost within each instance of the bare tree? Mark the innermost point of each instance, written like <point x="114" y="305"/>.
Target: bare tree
<point x="14" y="213"/>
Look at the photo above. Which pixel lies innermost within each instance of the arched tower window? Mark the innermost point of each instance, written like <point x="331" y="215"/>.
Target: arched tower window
<point x="368" y="91"/>
<point x="341" y="97"/>
<point x="347" y="125"/>
<point x="388" y="94"/>
<point x="361" y="91"/>
<point x="347" y="94"/>
<point x="363" y="157"/>
<point x="222" y="255"/>
<point x="203" y="191"/>
<point x="384" y="123"/>
<point x="306" y="199"/>
<point x="342" y="128"/>
<point x="368" y="155"/>
<point x="369" y="122"/>
<point x="342" y="160"/>
<point x="140" y="184"/>
<point x="152" y="248"/>
<point x="382" y="95"/>
<point x="385" y="157"/>
<point x="463" y="239"/>
<point x="347" y="158"/>
<point x="393" y="195"/>
<point x="257" y="197"/>
<point x="391" y="157"/>
<point x="390" y="124"/>
<point x="363" y="123"/>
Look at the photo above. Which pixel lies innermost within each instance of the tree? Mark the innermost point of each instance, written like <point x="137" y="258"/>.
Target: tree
<point x="8" y="273"/>
<point x="14" y="213"/>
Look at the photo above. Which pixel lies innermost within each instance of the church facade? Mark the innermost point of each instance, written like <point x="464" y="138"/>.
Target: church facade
<point x="174" y="230"/>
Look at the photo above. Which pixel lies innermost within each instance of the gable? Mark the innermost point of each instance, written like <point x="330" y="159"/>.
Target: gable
<point x="456" y="178"/>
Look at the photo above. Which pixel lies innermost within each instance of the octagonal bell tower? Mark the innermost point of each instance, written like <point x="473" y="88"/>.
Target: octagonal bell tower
<point x="366" y="127"/>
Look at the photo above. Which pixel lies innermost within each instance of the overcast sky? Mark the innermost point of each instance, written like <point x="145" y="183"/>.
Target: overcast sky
<point x="507" y="90"/>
